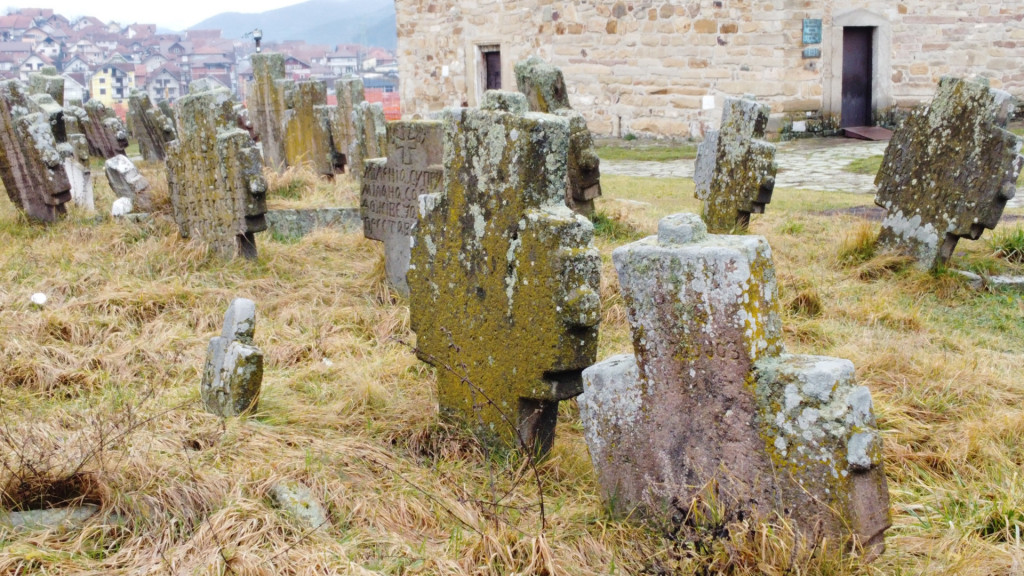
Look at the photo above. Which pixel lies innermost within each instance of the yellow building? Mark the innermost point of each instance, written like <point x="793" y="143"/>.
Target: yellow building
<point x="112" y="82"/>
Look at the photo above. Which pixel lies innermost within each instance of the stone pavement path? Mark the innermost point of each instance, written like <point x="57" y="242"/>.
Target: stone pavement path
<point x="812" y="163"/>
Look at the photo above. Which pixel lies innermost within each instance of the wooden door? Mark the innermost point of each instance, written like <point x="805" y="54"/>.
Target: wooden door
<point x="492" y="64"/>
<point x="857" y="71"/>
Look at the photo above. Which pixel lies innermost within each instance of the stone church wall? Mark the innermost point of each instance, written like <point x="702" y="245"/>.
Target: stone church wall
<point x="663" y="68"/>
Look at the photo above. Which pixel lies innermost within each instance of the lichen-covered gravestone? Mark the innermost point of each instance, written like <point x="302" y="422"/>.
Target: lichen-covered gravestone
<point x="31" y="166"/>
<point x="46" y="96"/>
<point x="151" y="127"/>
<point x="267" y="106"/>
<point x="734" y="173"/>
<point x="350" y="94"/>
<point x="544" y="87"/>
<point x="106" y="134"/>
<point x="948" y="171"/>
<point x="233" y="373"/>
<point x="710" y="411"/>
<point x="215" y="176"/>
<point x="307" y="135"/>
<point x="504" y="277"/>
<point x="370" y="136"/>
<point x="389" y="199"/>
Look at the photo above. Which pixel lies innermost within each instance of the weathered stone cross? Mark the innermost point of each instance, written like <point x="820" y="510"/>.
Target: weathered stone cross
<point x="734" y="173"/>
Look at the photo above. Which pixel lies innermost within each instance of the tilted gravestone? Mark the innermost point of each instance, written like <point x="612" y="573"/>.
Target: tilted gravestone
<point x="710" y="409"/>
<point x="544" y="87"/>
<point x="948" y="171"/>
<point x="734" y="172"/>
<point x="391" y="187"/>
<point x="46" y="93"/>
<point x="106" y="134"/>
<point x="215" y="176"/>
<point x="307" y="135"/>
<point x="504" y="278"/>
<point x="126" y="182"/>
<point x="151" y="127"/>
<point x="31" y="166"/>
<point x="233" y="374"/>
<point x="267" y="106"/>
<point x="350" y="94"/>
<point x="370" y="136"/>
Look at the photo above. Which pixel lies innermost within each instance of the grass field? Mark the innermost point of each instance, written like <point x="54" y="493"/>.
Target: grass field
<point x="100" y="403"/>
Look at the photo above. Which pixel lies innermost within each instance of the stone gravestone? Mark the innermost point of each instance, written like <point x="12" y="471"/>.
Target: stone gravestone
<point x="31" y="166"/>
<point x="504" y="278"/>
<point x="267" y="106"/>
<point x="215" y="176"/>
<point x="106" y="134"/>
<point x="370" y="136"/>
<point x="233" y="374"/>
<point x="126" y="182"/>
<point x="46" y="95"/>
<point x="545" y="90"/>
<point x="389" y="200"/>
<point x="948" y="171"/>
<point x="710" y="409"/>
<point x="47" y="81"/>
<point x="350" y="94"/>
<point x="734" y="172"/>
<point x="307" y="135"/>
<point x="151" y="127"/>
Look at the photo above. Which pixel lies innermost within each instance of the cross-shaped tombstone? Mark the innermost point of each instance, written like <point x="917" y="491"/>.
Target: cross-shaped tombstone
<point x="215" y="176"/>
<point x="391" y="188"/>
<point x="948" y="171"/>
<point x="710" y="410"/>
<point x="544" y="87"/>
<point x="504" y="278"/>
<point x="233" y="374"/>
<point x="734" y="173"/>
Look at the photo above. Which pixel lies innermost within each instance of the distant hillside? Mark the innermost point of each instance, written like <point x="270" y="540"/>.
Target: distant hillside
<point x="367" y="22"/>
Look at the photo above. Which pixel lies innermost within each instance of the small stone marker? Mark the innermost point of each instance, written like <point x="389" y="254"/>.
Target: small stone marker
<point x="948" y="171"/>
<point x="31" y="166"/>
<point x="350" y="94"/>
<point x="734" y="172"/>
<point x="298" y="500"/>
<point x="104" y="131"/>
<point x="233" y="373"/>
<point x="126" y="182"/>
<point x="370" y="136"/>
<point x="151" y="127"/>
<point x="710" y="409"/>
<point x="391" y="188"/>
<point x="544" y="87"/>
<point x="215" y="176"/>
<point x="504" y="278"/>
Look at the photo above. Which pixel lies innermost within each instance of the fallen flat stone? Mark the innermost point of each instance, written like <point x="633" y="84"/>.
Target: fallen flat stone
<point x="63" y="519"/>
<point x="297" y="500"/>
<point x="126" y="181"/>
<point x="299" y="223"/>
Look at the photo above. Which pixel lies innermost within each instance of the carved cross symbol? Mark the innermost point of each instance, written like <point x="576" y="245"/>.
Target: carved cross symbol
<point x="407" y="141"/>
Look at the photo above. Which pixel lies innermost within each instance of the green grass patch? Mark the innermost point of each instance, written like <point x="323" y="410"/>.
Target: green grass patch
<point x="869" y="165"/>
<point x="1008" y="243"/>
<point x="648" y="153"/>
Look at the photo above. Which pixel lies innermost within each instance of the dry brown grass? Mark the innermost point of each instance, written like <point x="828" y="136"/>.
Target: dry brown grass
<point x="100" y="403"/>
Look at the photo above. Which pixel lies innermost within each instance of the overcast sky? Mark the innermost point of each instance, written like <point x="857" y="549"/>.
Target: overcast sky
<point x="173" y="14"/>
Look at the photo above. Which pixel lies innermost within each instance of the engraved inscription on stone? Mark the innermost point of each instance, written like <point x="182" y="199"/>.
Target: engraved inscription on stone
<point x="392" y="186"/>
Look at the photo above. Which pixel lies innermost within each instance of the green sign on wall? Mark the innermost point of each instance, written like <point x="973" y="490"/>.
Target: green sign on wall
<point x="812" y="30"/>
